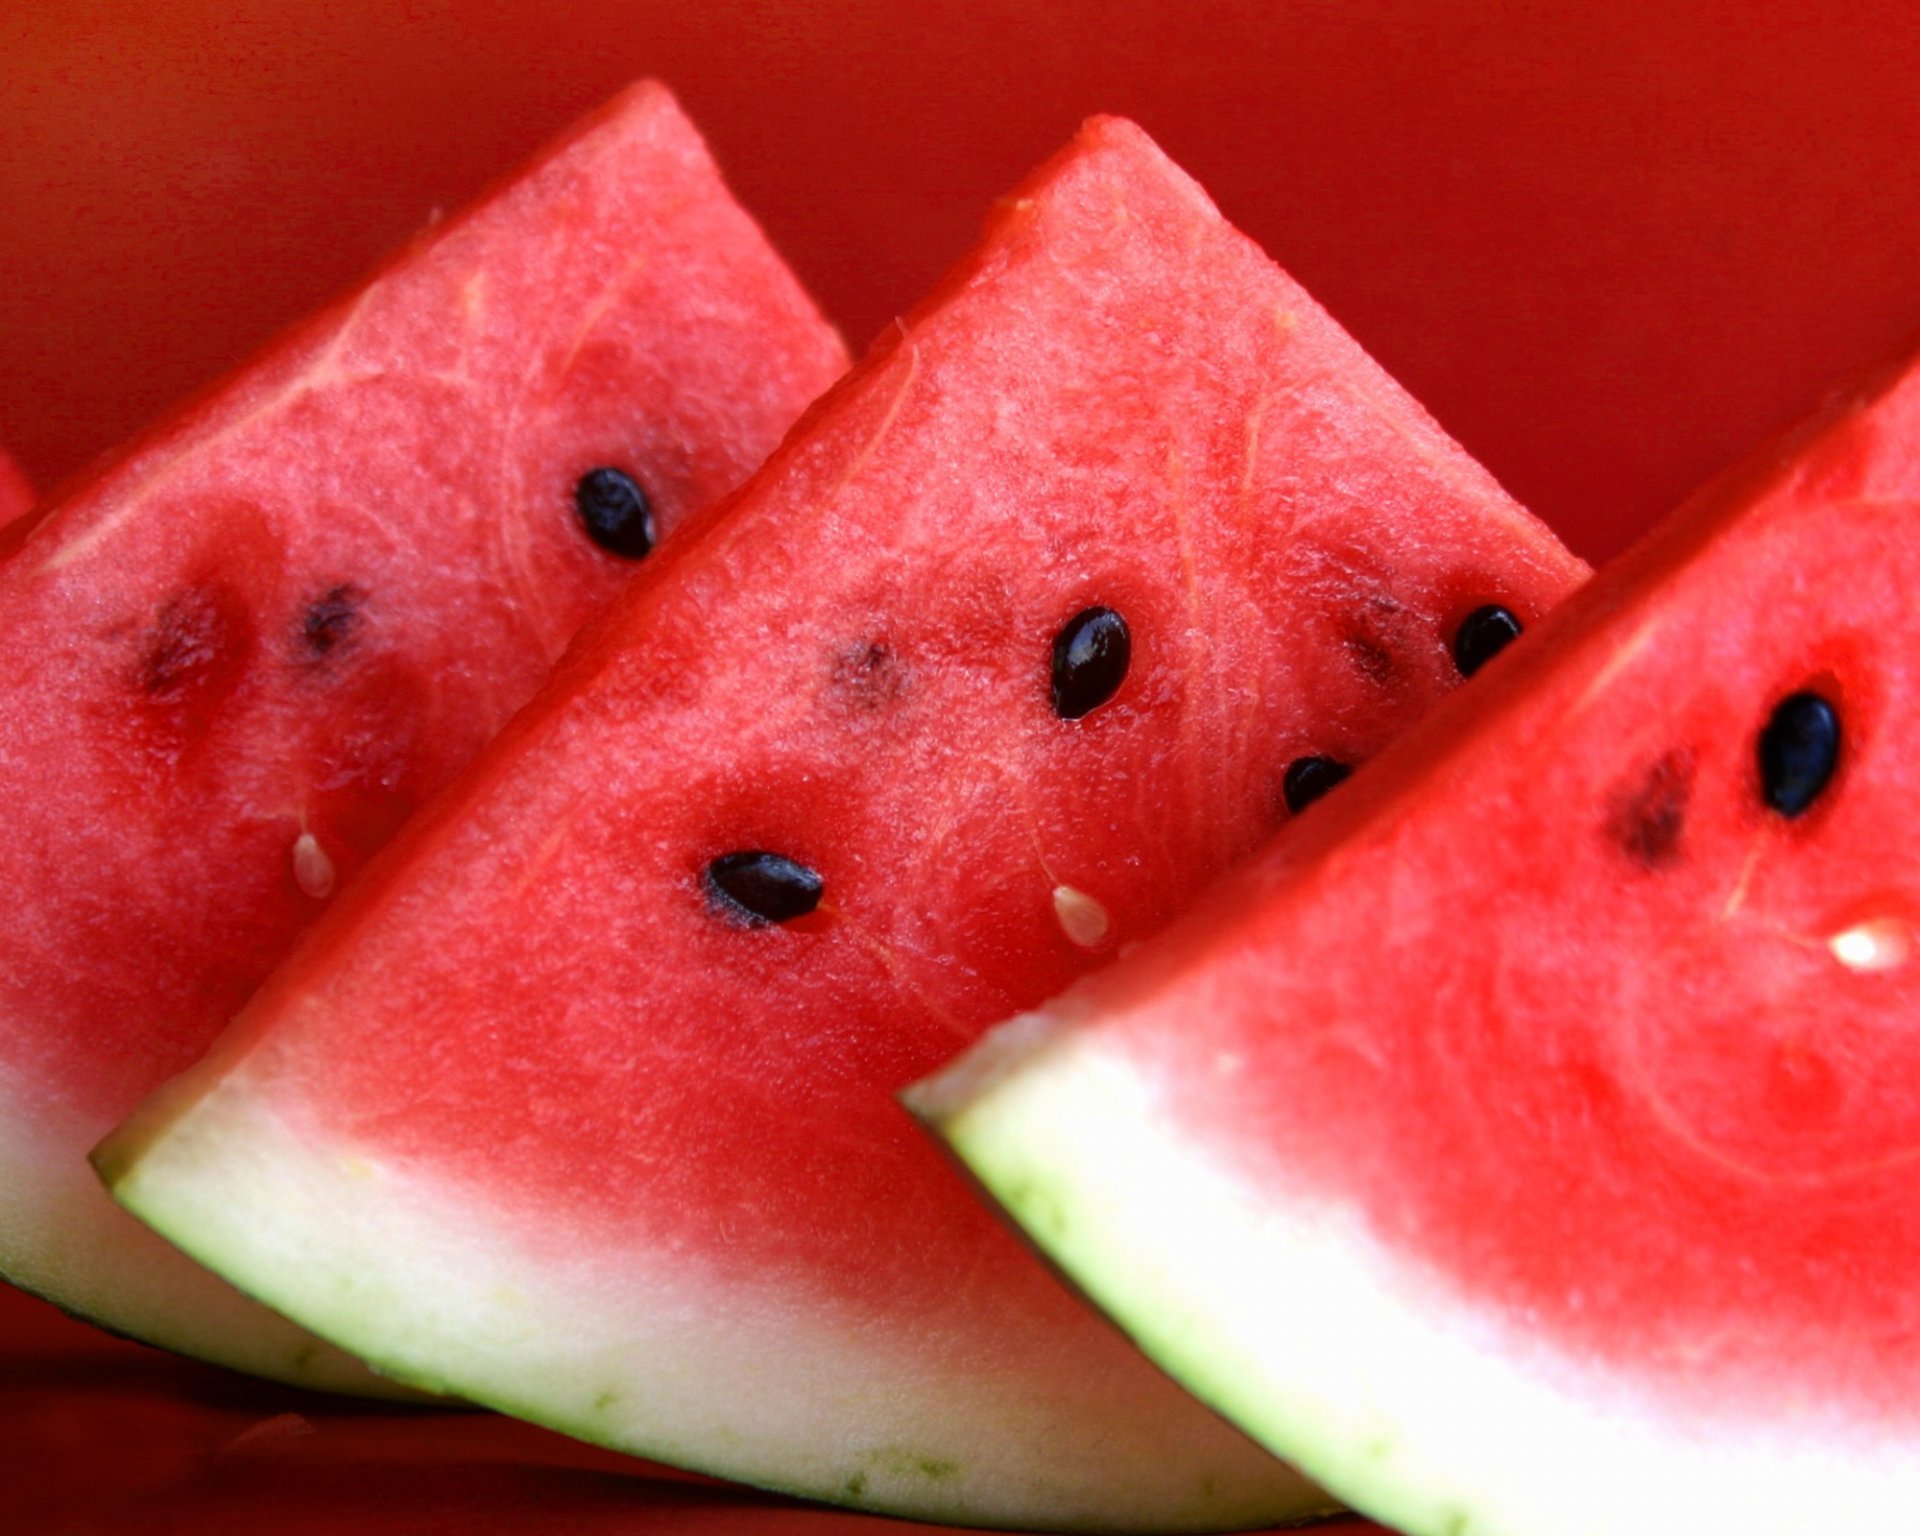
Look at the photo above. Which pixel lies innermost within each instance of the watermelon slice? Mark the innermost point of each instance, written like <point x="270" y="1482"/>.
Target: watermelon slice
<point x="237" y="657"/>
<point x="1528" y="1144"/>
<point x="583" y="1106"/>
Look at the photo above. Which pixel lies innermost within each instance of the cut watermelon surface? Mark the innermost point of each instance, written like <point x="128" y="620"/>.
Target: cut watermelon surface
<point x="238" y="656"/>
<point x="1529" y="1144"/>
<point x="581" y="1105"/>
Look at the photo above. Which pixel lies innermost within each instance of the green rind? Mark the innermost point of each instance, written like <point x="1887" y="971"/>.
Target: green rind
<point x="1013" y="1123"/>
<point x="1286" y="1316"/>
<point x="407" y="1264"/>
<point x="104" y="1270"/>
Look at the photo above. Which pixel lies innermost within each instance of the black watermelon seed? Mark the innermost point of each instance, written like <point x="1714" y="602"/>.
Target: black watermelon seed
<point x="1483" y="635"/>
<point x="757" y="888"/>
<point x="1090" y="656"/>
<point x="1799" y="750"/>
<point x="616" y="512"/>
<point x="1308" y="778"/>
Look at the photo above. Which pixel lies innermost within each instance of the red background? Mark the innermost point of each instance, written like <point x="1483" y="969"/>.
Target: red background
<point x="1609" y="244"/>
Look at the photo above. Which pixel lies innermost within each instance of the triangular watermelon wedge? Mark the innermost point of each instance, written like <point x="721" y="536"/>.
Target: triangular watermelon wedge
<point x="1528" y="1144"/>
<point x="239" y="654"/>
<point x="582" y="1107"/>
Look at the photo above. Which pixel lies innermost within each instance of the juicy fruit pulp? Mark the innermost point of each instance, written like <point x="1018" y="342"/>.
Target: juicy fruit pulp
<point x="240" y="655"/>
<point x="1555" y="1088"/>
<point x="1117" y="406"/>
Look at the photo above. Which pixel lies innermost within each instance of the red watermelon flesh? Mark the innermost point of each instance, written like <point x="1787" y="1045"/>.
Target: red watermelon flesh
<point x="240" y="654"/>
<point x="1529" y="1144"/>
<point x="544" y="1117"/>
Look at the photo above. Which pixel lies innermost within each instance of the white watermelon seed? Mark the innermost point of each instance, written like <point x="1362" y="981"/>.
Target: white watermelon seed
<point x="1878" y="944"/>
<point x="1082" y="919"/>
<point x="312" y="869"/>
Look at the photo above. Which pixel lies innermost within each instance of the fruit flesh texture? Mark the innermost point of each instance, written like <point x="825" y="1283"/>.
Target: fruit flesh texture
<point x="1623" y="1090"/>
<point x="1117" y="401"/>
<point x="296" y="609"/>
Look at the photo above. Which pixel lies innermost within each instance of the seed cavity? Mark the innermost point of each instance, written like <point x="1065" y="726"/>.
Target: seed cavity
<point x="1647" y="814"/>
<point x="199" y="635"/>
<point x="1878" y="944"/>
<point x="1378" y="627"/>
<point x="617" y="514"/>
<point x="1483" y="635"/>
<point x="868" y="676"/>
<point x="1308" y="778"/>
<point x="191" y="661"/>
<point x="330" y="621"/>
<point x="755" y="888"/>
<point x="313" y="871"/>
<point x="1799" y="751"/>
<point x="1082" y="919"/>
<point x="1370" y="658"/>
<point x="1090" y="658"/>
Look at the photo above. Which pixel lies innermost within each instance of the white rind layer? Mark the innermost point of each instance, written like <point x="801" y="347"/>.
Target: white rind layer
<point x="1280" y="1310"/>
<point x="71" y="1242"/>
<point x="668" y="1355"/>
